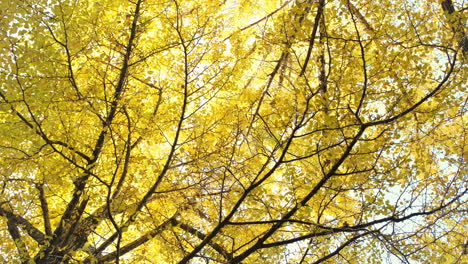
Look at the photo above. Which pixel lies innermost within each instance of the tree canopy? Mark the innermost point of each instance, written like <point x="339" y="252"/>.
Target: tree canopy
<point x="235" y="131"/>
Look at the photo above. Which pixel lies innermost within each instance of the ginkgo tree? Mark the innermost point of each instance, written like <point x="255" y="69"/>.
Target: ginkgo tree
<point x="235" y="131"/>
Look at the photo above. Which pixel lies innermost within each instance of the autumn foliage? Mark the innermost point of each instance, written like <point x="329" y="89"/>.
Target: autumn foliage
<point x="235" y="131"/>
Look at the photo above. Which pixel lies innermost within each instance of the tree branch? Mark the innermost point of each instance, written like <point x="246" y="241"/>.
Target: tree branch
<point x="135" y="243"/>
<point x="45" y="209"/>
<point x="312" y="35"/>
<point x="70" y="216"/>
<point x="220" y="249"/>
<point x="342" y="246"/>
<point x="16" y="236"/>
<point x="19" y="221"/>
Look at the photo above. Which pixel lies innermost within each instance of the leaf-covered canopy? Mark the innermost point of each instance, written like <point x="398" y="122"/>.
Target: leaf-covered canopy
<point x="235" y="131"/>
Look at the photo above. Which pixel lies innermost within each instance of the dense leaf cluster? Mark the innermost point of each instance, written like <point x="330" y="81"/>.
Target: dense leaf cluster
<point x="236" y="131"/>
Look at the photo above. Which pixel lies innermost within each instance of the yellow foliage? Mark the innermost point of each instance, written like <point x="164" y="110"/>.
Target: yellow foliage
<point x="289" y="131"/>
